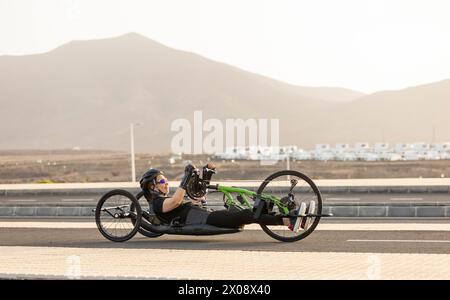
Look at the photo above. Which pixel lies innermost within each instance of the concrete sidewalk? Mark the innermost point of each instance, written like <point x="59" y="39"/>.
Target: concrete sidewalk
<point x="78" y="263"/>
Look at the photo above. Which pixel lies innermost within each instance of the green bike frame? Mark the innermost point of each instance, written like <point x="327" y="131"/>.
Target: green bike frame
<point x="246" y="194"/>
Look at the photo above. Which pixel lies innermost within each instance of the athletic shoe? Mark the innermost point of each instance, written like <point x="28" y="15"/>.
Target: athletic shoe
<point x="306" y="222"/>
<point x="296" y="221"/>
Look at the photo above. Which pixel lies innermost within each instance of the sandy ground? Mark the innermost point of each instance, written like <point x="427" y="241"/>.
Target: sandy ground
<point x="102" y="166"/>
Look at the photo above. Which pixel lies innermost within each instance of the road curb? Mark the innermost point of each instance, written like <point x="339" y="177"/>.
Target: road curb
<point x="345" y="210"/>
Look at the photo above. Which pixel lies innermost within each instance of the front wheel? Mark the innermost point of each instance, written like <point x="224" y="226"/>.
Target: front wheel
<point x="299" y="193"/>
<point x="114" y="217"/>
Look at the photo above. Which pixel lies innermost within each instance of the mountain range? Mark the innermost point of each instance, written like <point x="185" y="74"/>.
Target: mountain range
<point x="86" y="93"/>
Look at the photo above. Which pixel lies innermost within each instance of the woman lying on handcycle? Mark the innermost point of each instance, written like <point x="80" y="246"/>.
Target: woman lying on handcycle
<point x="172" y="209"/>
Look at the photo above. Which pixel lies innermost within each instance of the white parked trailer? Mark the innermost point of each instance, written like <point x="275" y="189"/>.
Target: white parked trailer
<point x="441" y="146"/>
<point x="390" y="156"/>
<point x="342" y="147"/>
<point x="402" y="147"/>
<point x="288" y="149"/>
<point x="381" y="147"/>
<point x="432" y="155"/>
<point x="346" y="156"/>
<point x="324" y="156"/>
<point x="412" y="155"/>
<point x="228" y="154"/>
<point x="301" y="154"/>
<point x="421" y="147"/>
<point x="232" y="153"/>
<point x="361" y="147"/>
<point x="342" y="151"/>
<point x="361" y="150"/>
<point x="322" y="147"/>
<point x="323" y="152"/>
<point x="369" y="156"/>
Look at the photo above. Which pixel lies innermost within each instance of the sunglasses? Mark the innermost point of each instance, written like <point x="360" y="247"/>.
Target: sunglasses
<point x="161" y="181"/>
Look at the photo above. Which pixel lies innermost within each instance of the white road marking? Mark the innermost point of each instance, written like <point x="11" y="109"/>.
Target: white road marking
<point x="22" y="200"/>
<point x="412" y="199"/>
<point x="50" y="225"/>
<point x="77" y="199"/>
<point x="351" y="199"/>
<point x="401" y="241"/>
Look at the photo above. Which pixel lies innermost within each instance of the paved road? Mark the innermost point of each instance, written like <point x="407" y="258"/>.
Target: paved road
<point x="355" y="240"/>
<point x="338" y="249"/>
<point x="215" y="199"/>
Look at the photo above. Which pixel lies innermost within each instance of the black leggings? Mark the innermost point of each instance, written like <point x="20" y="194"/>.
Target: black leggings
<point x="227" y="219"/>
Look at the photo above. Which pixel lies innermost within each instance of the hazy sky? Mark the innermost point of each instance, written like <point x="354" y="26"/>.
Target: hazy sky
<point x="358" y="44"/>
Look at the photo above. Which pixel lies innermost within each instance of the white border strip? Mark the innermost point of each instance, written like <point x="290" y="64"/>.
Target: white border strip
<point x="401" y="241"/>
<point x="320" y="227"/>
<point x="383" y="182"/>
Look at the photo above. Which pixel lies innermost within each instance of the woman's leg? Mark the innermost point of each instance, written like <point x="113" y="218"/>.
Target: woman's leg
<point x="227" y="219"/>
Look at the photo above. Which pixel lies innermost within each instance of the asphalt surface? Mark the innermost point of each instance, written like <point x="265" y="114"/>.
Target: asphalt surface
<point x="436" y="242"/>
<point x="214" y="199"/>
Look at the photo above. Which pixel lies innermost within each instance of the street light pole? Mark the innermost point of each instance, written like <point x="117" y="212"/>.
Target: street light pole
<point x="288" y="166"/>
<point x="133" y="166"/>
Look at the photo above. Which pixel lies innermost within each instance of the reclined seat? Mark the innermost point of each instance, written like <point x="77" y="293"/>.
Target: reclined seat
<point x="175" y="227"/>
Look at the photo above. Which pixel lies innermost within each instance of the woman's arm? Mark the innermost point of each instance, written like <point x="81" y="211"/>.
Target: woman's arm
<point x="177" y="198"/>
<point x="174" y="201"/>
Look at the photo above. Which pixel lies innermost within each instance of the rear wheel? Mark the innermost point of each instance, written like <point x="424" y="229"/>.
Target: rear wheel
<point x="303" y="191"/>
<point x="114" y="218"/>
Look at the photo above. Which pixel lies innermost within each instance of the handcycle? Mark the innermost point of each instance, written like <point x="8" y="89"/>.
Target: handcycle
<point x="120" y="215"/>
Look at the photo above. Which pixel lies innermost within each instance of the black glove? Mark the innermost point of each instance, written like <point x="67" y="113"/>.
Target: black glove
<point x="210" y="167"/>
<point x="188" y="171"/>
<point x="208" y="171"/>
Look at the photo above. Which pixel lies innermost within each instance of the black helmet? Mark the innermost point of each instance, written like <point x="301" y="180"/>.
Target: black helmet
<point x="148" y="177"/>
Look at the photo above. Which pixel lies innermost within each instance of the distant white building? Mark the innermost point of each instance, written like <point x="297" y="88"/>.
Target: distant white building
<point x="322" y="147"/>
<point x="421" y="148"/>
<point x="342" y="147"/>
<point x="288" y="149"/>
<point x="341" y="151"/>
<point x="432" y="155"/>
<point x="390" y="156"/>
<point x="324" y="156"/>
<point x="301" y="154"/>
<point x="323" y="152"/>
<point x="360" y="150"/>
<point x="412" y="155"/>
<point x="441" y="147"/>
<point x="369" y="156"/>
<point x="381" y="147"/>
<point x="361" y="147"/>
<point x="230" y="153"/>
<point x="346" y="156"/>
<point x="400" y="148"/>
